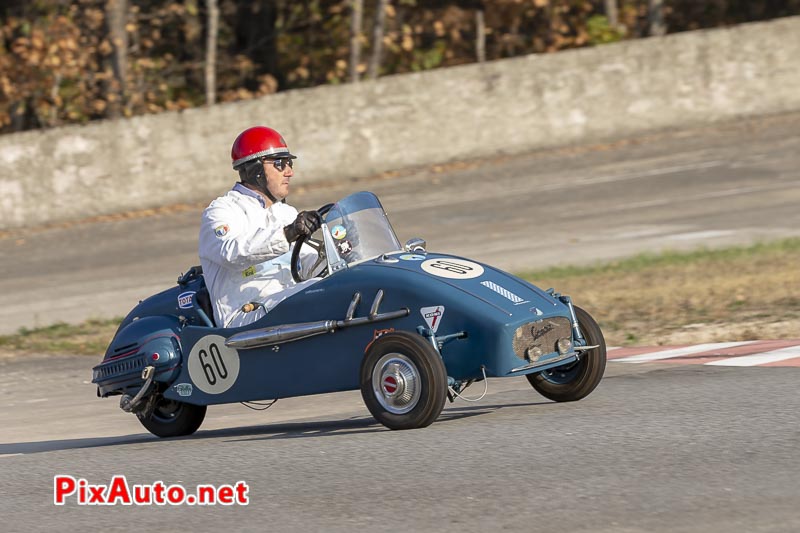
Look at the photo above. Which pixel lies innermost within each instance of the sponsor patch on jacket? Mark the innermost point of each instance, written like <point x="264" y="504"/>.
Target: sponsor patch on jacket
<point x="185" y="299"/>
<point x="249" y="271"/>
<point x="221" y="231"/>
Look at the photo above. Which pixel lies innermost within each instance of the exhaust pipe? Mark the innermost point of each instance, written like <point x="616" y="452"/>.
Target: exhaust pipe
<point x="294" y="332"/>
<point x="280" y="334"/>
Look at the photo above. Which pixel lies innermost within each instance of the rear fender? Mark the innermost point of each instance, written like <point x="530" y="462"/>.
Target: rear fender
<point x="150" y="341"/>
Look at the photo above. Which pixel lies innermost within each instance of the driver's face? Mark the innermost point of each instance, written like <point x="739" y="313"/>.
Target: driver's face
<point x="278" y="180"/>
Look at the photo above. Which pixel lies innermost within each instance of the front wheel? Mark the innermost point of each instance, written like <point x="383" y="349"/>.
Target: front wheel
<point x="173" y="419"/>
<point x="403" y="381"/>
<point x="574" y="381"/>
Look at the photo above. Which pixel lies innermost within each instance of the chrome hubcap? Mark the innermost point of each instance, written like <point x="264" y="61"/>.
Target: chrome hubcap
<point x="395" y="382"/>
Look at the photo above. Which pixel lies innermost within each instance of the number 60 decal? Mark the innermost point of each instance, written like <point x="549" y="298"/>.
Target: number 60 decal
<point x="452" y="268"/>
<point x="213" y="367"/>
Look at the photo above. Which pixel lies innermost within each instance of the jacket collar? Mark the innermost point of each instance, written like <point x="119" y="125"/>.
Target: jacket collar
<point x="238" y="187"/>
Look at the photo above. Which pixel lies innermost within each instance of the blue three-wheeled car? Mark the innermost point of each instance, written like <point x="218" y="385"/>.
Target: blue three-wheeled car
<point x="410" y="328"/>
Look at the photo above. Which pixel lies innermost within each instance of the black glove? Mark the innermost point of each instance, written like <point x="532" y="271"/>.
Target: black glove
<point x="306" y="223"/>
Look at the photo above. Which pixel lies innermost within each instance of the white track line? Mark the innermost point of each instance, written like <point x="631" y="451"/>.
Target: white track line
<point x="680" y="352"/>
<point x="760" y="358"/>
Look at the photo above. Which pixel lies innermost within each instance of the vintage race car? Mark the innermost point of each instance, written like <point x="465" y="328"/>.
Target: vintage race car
<point x="410" y="328"/>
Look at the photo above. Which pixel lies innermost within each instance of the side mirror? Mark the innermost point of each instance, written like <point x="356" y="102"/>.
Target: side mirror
<point x="415" y="244"/>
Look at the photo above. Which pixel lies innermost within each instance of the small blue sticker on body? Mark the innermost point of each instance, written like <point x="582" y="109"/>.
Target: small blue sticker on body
<point x="184" y="389"/>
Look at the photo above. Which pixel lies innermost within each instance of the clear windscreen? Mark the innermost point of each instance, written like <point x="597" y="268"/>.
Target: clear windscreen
<point x="360" y="228"/>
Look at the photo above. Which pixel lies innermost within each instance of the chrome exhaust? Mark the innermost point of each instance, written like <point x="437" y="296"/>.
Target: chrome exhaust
<point x="294" y="332"/>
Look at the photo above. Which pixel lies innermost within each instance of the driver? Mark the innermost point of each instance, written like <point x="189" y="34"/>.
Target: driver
<point x="246" y="235"/>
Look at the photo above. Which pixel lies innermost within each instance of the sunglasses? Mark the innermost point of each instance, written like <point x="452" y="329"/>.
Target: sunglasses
<point x="279" y="164"/>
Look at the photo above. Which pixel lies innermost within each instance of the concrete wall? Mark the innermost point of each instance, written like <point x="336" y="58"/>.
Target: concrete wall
<point x="506" y="106"/>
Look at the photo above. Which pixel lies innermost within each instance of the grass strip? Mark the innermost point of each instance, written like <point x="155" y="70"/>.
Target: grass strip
<point x="737" y="293"/>
<point x="88" y="338"/>
<point x="730" y="294"/>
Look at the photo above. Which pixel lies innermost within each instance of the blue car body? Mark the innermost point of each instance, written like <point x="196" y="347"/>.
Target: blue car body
<point x="483" y="322"/>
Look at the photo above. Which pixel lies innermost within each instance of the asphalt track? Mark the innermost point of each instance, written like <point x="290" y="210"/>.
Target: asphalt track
<point x="715" y="186"/>
<point x="658" y="447"/>
<point x="661" y="445"/>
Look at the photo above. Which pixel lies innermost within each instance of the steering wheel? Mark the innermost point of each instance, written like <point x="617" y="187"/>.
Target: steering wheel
<point x="316" y="244"/>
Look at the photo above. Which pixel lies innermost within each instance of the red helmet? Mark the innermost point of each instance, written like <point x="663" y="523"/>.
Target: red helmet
<point x="256" y="142"/>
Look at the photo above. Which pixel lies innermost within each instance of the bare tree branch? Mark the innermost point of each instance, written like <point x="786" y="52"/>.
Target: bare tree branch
<point x="656" y="17"/>
<point x="53" y="118"/>
<point x="377" y="39"/>
<point x="356" y="18"/>
<point x="211" y="51"/>
<point x="117" y="14"/>
<point x="612" y="13"/>
<point x="480" y="38"/>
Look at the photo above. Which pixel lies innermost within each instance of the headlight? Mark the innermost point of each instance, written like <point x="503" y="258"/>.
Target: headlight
<point x="564" y="345"/>
<point x="533" y="353"/>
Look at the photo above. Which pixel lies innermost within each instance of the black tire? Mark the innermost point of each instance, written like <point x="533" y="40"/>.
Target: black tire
<point x="171" y="418"/>
<point x="572" y="382"/>
<point x="408" y="364"/>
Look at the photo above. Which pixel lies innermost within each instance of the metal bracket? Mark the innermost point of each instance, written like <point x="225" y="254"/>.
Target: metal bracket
<point x="376" y="304"/>
<point x="128" y="404"/>
<point x="439" y="342"/>
<point x="351" y="311"/>
<point x="575" y="326"/>
<point x="335" y="261"/>
<point x="581" y="349"/>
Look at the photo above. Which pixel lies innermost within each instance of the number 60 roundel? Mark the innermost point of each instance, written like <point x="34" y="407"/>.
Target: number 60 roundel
<point x="213" y="367"/>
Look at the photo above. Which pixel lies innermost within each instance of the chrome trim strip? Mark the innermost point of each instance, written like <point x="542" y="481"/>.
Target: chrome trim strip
<point x="262" y="153"/>
<point x="544" y="364"/>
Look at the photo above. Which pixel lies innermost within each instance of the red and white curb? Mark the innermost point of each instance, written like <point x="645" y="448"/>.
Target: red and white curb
<point x="745" y="353"/>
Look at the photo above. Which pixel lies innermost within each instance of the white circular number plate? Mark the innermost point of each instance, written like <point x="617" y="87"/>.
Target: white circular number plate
<point x="213" y="366"/>
<point x="452" y="268"/>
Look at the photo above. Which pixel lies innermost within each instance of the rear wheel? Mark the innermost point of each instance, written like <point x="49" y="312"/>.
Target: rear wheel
<point x="403" y="381"/>
<point x="171" y="418"/>
<point x="572" y="382"/>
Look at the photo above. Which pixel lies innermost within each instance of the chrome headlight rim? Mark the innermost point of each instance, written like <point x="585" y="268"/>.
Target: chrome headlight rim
<point x="396" y="383"/>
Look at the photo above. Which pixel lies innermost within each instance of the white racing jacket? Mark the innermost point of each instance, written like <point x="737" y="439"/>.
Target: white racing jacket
<point x="245" y="255"/>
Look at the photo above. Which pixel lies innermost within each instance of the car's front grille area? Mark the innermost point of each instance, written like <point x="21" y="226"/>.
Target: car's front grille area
<point x="543" y="334"/>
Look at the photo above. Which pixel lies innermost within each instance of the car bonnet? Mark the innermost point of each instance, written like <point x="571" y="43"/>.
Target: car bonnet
<point x="514" y="296"/>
